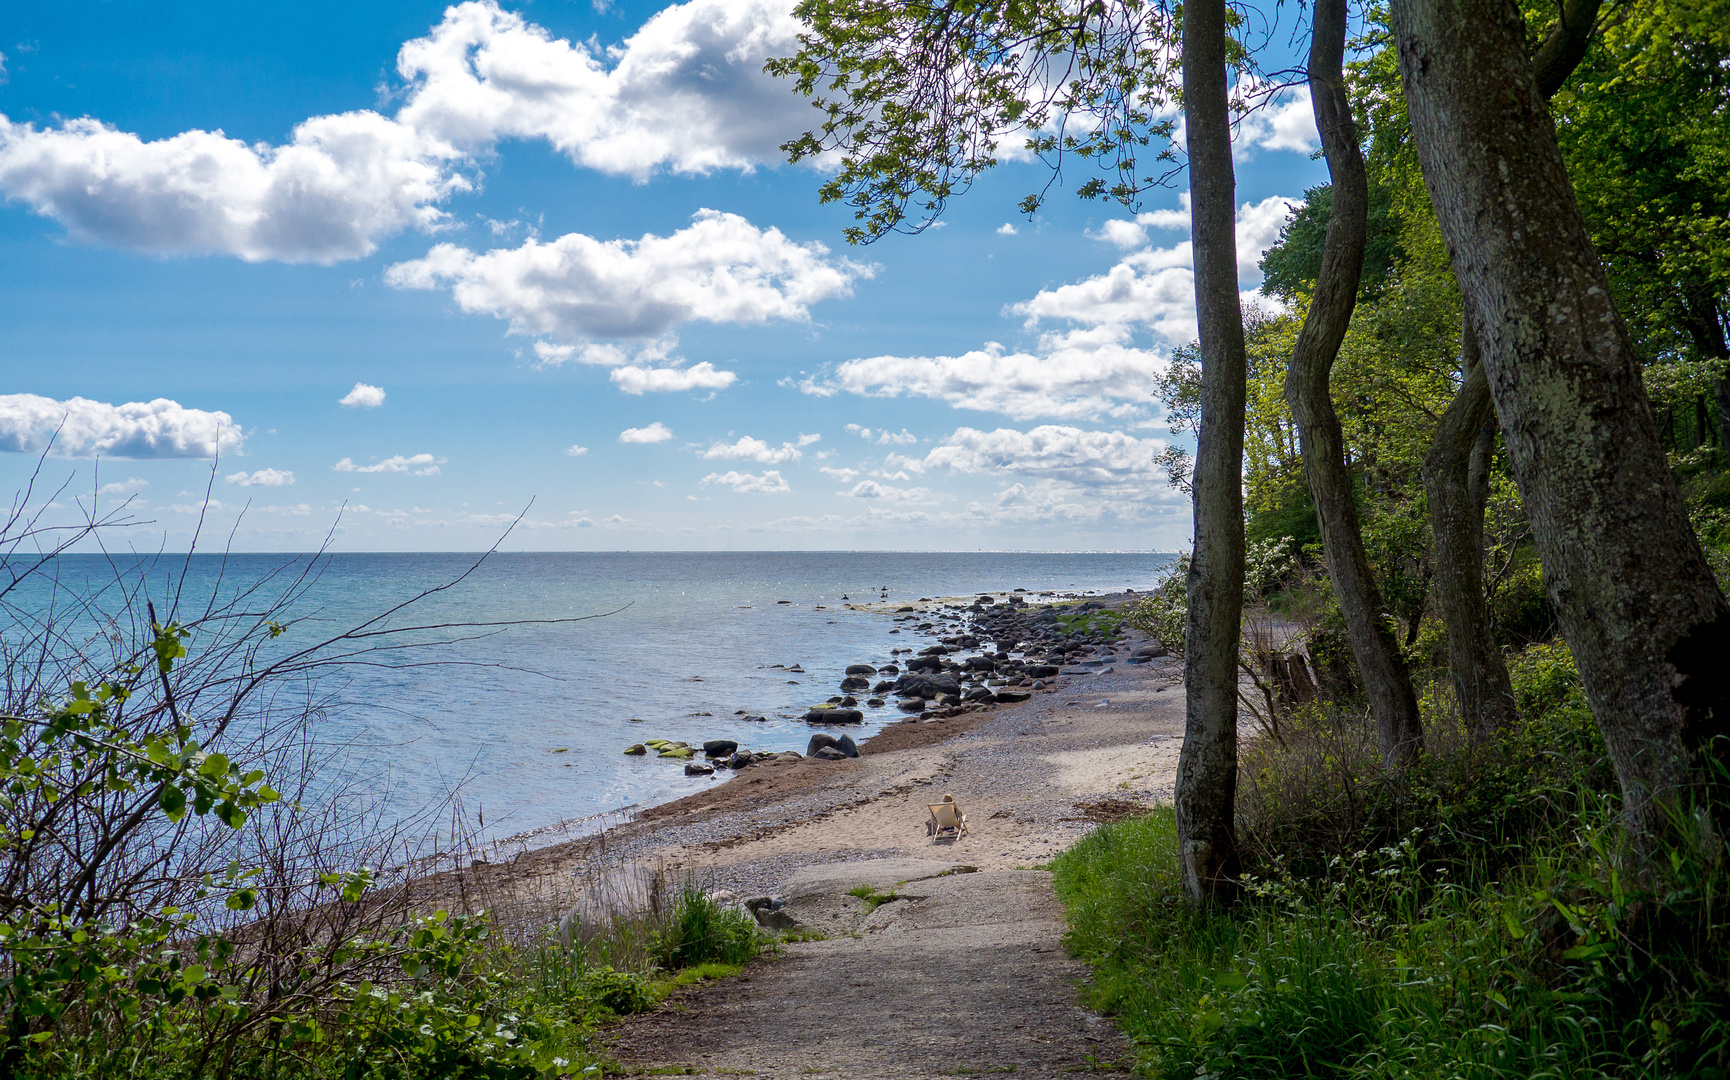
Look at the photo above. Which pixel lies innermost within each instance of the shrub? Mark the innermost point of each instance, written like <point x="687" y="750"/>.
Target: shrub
<point x="701" y="930"/>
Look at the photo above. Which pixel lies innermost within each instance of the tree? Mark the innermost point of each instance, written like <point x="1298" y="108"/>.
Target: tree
<point x="1207" y="766"/>
<point x="1386" y="681"/>
<point x="1635" y="597"/>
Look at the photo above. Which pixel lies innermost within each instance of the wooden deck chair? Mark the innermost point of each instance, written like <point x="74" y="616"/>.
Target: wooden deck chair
<point x="946" y="817"/>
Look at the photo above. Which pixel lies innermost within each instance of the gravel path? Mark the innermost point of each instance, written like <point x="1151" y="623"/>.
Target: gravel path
<point x="964" y="973"/>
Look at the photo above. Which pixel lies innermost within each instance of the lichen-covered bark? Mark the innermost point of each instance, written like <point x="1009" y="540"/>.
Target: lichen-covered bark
<point x="1456" y="479"/>
<point x="1207" y="766"/>
<point x="1633" y="593"/>
<point x="1387" y="684"/>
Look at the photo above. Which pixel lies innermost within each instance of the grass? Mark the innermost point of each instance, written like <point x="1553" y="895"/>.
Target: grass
<point x="1380" y="970"/>
<point x="871" y="897"/>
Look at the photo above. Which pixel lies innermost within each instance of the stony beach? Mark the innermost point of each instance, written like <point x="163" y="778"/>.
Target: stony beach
<point x="1073" y="734"/>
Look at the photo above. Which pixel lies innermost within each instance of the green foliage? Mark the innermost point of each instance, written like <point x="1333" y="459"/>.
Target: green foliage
<point x="1290" y="268"/>
<point x="703" y="930"/>
<point x="917" y="97"/>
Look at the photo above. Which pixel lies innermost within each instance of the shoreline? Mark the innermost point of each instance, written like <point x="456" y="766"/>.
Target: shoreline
<point x="1033" y="775"/>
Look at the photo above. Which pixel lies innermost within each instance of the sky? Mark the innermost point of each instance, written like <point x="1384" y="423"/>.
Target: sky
<point x="396" y="276"/>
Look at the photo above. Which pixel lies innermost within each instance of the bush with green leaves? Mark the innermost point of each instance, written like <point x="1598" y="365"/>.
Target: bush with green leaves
<point x="703" y="930"/>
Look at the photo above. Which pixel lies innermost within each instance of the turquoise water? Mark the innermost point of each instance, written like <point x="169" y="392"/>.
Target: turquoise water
<point x="528" y="722"/>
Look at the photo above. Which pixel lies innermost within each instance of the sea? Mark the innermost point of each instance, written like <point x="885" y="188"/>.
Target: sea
<point x="513" y="683"/>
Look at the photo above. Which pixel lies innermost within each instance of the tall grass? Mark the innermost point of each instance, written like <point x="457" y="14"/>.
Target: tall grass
<point x="1493" y="937"/>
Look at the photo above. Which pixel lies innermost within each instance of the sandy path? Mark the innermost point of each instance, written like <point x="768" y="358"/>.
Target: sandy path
<point x="965" y="972"/>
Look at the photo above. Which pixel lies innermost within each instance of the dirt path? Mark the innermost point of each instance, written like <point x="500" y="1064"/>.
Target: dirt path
<point x="962" y="973"/>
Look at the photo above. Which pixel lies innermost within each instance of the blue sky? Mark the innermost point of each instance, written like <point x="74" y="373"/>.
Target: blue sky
<point x="435" y="265"/>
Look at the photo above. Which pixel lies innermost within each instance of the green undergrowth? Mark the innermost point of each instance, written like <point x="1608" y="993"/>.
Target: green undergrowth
<point x="871" y="897"/>
<point x="1468" y="921"/>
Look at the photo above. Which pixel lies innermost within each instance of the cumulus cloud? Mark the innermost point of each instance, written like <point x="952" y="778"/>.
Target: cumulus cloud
<point x="1286" y="122"/>
<point x="363" y="396"/>
<point x="124" y="487"/>
<point x="1155" y="287"/>
<point x="642" y="380"/>
<point x="576" y="451"/>
<point x="1007" y="229"/>
<point x="752" y="449"/>
<point x="419" y="464"/>
<point x="686" y="93"/>
<point x="263" y="478"/>
<point x="871" y="489"/>
<point x="770" y="483"/>
<point x="883" y="437"/>
<point x="329" y="194"/>
<point x="719" y="269"/>
<point x="1050" y="452"/>
<point x="1074" y="375"/>
<point x="137" y="429"/>
<point x="654" y="433"/>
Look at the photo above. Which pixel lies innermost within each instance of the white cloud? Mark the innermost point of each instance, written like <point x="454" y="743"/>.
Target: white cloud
<point x="1050" y="452"/>
<point x="770" y="483"/>
<point x="262" y="478"/>
<point x="1121" y="233"/>
<point x="1007" y="229"/>
<point x="654" y="433"/>
<point x="576" y="451"/>
<point x="363" y="396"/>
<point x="1286" y="122"/>
<point x="846" y="476"/>
<point x="124" y="487"/>
<point x="1075" y="375"/>
<point x="341" y="183"/>
<point x="871" y="489"/>
<point x="703" y="376"/>
<point x="137" y="429"/>
<point x="1155" y="287"/>
<point x="198" y="507"/>
<point x="685" y="93"/>
<point x="720" y="269"/>
<point x="752" y="449"/>
<point x="419" y="464"/>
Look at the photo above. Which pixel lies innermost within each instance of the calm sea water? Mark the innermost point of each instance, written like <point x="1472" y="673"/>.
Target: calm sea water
<point x="529" y="721"/>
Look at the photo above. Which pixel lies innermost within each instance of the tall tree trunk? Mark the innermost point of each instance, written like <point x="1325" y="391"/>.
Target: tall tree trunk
<point x="1634" y="595"/>
<point x="1207" y="766"/>
<point x="1386" y="681"/>
<point x="1456" y="479"/>
<point x="1457" y="468"/>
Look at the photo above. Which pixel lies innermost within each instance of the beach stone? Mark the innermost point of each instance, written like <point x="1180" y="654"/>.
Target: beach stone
<point x="875" y="703"/>
<point x="719" y="747"/>
<point x="861" y="669"/>
<point x="769" y="914"/>
<point x="834" y="716"/>
<point x="741" y="759"/>
<point x="818" y="742"/>
<point x="829" y="753"/>
<point x="790" y="755"/>
<point x="849" y="701"/>
<point x="636" y="750"/>
<point x="1041" y="671"/>
<point x="676" y="752"/>
<point x="911" y="705"/>
<point x="883" y="687"/>
<point x="847" y="746"/>
<point x="697" y="768"/>
<point x="1010" y="697"/>
<point x="979" y="663"/>
<point x="925" y="663"/>
<point x="758" y="719"/>
<point x="1038" y="684"/>
<point x="888" y="669"/>
<point x="978" y="693"/>
<point x="927" y="686"/>
<point x="855" y="682"/>
<point x="1152" y="652"/>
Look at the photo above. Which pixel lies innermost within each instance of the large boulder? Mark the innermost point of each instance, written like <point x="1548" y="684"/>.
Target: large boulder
<point x="818" y="742"/>
<point x="1010" y="697"/>
<point x="911" y="705"/>
<point x="697" y="768"/>
<point x="927" y="686"/>
<point x="847" y="746"/>
<point x="855" y="682"/>
<point x="979" y="663"/>
<point x="925" y="663"/>
<point x="1040" y="671"/>
<point x="861" y="669"/>
<point x="829" y="753"/>
<point x="834" y="716"/>
<point x="719" y="747"/>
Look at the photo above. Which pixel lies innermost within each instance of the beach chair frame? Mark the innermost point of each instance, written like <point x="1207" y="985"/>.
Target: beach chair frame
<point x="946" y="820"/>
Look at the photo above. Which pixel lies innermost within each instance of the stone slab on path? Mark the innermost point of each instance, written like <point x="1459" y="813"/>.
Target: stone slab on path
<point x="963" y="974"/>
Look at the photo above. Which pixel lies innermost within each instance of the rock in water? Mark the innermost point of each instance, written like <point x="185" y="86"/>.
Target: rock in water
<point x="911" y="705"/>
<point x="719" y="747"/>
<point x="636" y="750"/>
<point x="741" y="759"/>
<point x="697" y="768"/>
<point x="861" y="669"/>
<point x="834" y="716"/>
